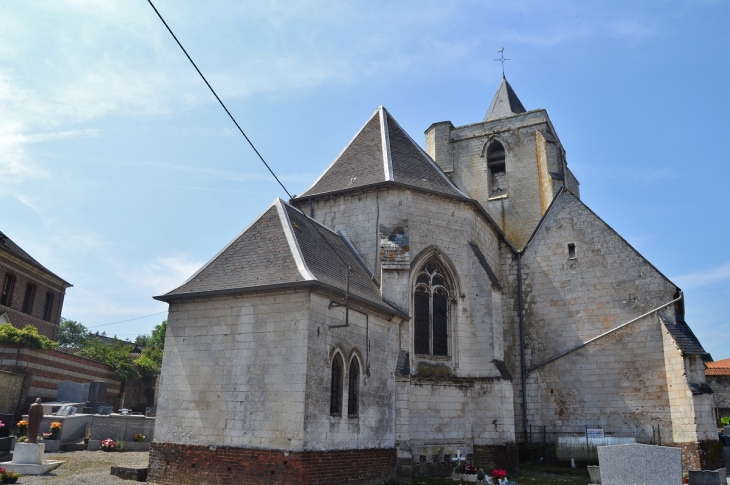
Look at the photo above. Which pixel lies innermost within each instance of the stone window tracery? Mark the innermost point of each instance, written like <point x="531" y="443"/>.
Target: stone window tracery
<point x="431" y="311"/>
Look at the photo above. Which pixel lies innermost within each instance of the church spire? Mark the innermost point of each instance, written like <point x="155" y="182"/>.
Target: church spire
<point x="505" y="103"/>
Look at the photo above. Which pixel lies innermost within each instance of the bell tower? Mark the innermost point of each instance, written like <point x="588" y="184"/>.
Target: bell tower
<point x="512" y="162"/>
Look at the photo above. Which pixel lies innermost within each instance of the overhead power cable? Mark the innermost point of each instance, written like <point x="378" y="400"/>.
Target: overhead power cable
<point x="122" y="321"/>
<point x="349" y="268"/>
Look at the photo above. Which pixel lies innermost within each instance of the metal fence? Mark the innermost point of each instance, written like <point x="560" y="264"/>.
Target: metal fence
<point x="547" y="444"/>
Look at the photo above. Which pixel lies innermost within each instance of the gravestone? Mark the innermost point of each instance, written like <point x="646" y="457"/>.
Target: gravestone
<point x="105" y="410"/>
<point x="637" y="463"/>
<point x="69" y="391"/>
<point x="708" y="477"/>
<point x="97" y="392"/>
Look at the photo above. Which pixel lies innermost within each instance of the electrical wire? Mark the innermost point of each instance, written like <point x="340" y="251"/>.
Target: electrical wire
<point x="122" y="321"/>
<point x="349" y="268"/>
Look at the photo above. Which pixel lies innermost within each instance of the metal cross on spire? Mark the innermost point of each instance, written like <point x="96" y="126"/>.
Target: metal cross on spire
<point x="502" y="59"/>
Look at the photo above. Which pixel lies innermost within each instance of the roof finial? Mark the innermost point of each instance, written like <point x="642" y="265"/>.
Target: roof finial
<point x="502" y="59"/>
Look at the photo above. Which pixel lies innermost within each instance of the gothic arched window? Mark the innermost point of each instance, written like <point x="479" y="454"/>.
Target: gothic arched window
<point x="496" y="167"/>
<point x="431" y="311"/>
<point x="336" y="386"/>
<point x="353" y="388"/>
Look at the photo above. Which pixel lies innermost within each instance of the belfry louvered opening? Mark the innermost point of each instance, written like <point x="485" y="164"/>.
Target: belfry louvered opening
<point x="496" y="156"/>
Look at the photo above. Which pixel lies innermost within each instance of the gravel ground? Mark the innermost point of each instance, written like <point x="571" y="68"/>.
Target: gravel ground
<point x="90" y="467"/>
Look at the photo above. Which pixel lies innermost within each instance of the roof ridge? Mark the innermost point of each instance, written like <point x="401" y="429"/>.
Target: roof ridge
<point x="425" y="155"/>
<point x="292" y="240"/>
<point x="385" y="137"/>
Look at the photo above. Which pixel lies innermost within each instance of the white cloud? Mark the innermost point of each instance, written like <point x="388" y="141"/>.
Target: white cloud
<point x="704" y="278"/>
<point x="160" y="275"/>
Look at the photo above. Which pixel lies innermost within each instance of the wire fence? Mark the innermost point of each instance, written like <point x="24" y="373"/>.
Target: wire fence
<point x="547" y="444"/>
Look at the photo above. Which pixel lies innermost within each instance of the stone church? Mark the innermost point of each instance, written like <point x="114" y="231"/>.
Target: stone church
<point x="412" y="304"/>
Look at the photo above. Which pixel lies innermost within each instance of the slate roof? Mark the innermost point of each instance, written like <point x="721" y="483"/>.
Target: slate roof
<point x="683" y="336"/>
<point x="11" y="247"/>
<point x="505" y="103"/>
<point x="719" y="368"/>
<point x="283" y="247"/>
<point x="383" y="152"/>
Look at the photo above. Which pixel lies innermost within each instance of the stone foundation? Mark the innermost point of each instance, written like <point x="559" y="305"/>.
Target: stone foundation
<point x="703" y="455"/>
<point x="183" y="464"/>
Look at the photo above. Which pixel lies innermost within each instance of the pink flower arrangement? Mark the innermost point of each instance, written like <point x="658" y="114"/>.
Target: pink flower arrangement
<point x="108" y="445"/>
<point x="2" y="425"/>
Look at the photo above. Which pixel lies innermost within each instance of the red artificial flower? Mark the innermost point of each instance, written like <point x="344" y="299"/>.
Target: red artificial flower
<point x="499" y="473"/>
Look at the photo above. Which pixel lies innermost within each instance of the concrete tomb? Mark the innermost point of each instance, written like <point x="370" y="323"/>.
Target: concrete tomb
<point x="637" y="463"/>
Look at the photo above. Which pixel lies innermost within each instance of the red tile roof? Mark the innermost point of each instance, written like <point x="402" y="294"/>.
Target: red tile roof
<point x="719" y="368"/>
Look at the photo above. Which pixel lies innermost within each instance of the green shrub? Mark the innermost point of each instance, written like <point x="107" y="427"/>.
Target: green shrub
<point x="725" y="421"/>
<point x="28" y="337"/>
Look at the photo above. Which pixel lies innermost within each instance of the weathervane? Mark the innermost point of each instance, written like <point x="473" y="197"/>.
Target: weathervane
<point x="502" y="59"/>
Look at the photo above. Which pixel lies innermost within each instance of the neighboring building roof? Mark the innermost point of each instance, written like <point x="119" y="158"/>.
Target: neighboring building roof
<point x="505" y="103"/>
<point x="8" y="245"/>
<point x="383" y="152"/>
<point x="283" y="247"/>
<point x="719" y="368"/>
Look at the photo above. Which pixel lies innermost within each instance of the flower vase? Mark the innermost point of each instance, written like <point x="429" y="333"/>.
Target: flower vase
<point x="470" y="477"/>
<point x="455" y="476"/>
<point x="10" y="480"/>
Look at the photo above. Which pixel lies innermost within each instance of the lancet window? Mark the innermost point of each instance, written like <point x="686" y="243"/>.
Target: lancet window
<point x="336" y="386"/>
<point x="353" y="388"/>
<point x="431" y="311"/>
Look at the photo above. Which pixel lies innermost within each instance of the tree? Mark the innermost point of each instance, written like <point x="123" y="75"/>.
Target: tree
<point x="72" y="333"/>
<point x="142" y="340"/>
<point x="114" y="354"/>
<point x="151" y="359"/>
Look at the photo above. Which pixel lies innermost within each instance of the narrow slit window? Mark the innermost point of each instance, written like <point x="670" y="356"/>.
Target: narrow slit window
<point x="48" y="307"/>
<point x="336" y="386"/>
<point x="353" y="389"/>
<point x="571" y="251"/>
<point x="497" y="173"/>
<point x="29" y="298"/>
<point x="8" y="286"/>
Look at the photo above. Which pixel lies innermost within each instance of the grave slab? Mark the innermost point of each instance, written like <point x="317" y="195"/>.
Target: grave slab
<point x="69" y="391"/>
<point x="138" y="474"/>
<point x="637" y="463"/>
<point x="708" y="477"/>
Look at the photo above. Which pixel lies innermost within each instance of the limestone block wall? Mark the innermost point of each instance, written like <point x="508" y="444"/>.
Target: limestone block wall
<point x="571" y="300"/>
<point x="520" y="210"/>
<point x="721" y="394"/>
<point x="374" y="424"/>
<point x="232" y="372"/>
<point x="435" y="225"/>
<point x="692" y="416"/>
<point x="470" y="412"/>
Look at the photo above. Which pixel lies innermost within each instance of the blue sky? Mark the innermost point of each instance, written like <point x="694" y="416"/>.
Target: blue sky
<point x="119" y="172"/>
